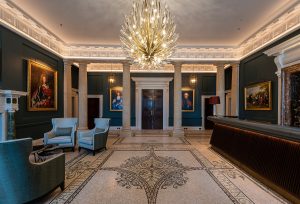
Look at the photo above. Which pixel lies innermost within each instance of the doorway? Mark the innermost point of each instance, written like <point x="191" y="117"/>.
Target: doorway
<point x="152" y="109"/>
<point x="93" y="111"/>
<point x="208" y="111"/>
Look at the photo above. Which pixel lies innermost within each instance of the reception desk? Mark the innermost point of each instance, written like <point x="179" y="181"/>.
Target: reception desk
<point x="271" y="153"/>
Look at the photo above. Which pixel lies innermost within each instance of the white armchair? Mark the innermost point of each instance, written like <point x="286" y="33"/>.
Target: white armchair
<point x="62" y="133"/>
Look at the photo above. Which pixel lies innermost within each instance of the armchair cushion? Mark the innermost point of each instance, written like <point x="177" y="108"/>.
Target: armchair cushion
<point x="63" y="131"/>
<point x="87" y="140"/>
<point x="60" y="140"/>
<point x="99" y="130"/>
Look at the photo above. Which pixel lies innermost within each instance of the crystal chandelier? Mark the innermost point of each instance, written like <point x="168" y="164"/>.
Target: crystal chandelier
<point x="148" y="34"/>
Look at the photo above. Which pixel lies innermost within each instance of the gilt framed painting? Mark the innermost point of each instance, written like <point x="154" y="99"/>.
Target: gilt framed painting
<point x="187" y="99"/>
<point x="258" y="96"/>
<point x="41" y="87"/>
<point x="116" y="99"/>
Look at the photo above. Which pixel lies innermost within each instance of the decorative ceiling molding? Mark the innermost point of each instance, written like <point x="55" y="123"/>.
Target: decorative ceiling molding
<point x="168" y="68"/>
<point x="286" y="54"/>
<point x="280" y="27"/>
<point x="19" y="22"/>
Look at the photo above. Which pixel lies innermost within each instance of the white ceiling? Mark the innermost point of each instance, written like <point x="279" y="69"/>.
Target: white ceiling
<point x="199" y="22"/>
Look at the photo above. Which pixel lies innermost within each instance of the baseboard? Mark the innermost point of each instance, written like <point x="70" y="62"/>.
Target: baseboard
<point x="192" y="128"/>
<point x="168" y="128"/>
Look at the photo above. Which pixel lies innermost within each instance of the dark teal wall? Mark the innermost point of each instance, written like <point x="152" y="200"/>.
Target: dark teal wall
<point x="15" y="52"/>
<point x="259" y="68"/>
<point x="98" y="84"/>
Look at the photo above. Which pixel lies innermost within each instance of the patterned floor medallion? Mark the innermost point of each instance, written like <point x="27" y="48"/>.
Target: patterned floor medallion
<point x="157" y="173"/>
<point x="152" y="173"/>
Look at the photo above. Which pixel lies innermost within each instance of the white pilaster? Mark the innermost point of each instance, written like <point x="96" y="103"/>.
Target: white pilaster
<point x="280" y="66"/>
<point x="126" y="114"/>
<point x="220" y="89"/>
<point x="177" y="100"/>
<point x="82" y="96"/>
<point x="235" y="90"/>
<point x="67" y="89"/>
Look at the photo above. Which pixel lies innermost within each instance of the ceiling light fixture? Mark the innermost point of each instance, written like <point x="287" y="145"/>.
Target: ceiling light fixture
<point x="148" y="34"/>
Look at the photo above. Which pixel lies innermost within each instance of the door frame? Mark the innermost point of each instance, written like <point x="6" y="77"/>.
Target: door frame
<point x="153" y="108"/>
<point x="203" y="97"/>
<point x="162" y="83"/>
<point x="100" y="97"/>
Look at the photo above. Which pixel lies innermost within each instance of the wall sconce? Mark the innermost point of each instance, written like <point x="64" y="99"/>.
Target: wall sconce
<point x="193" y="78"/>
<point x="111" y="78"/>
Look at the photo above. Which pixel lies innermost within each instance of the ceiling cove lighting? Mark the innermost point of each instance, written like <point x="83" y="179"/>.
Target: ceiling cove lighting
<point x="148" y="34"/>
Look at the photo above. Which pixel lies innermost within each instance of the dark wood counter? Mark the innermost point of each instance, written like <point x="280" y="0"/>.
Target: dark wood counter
<point x="271" y="153"/>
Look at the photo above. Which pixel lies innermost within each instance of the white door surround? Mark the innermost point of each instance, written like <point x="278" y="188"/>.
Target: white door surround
<point x="151" y="83"/>
<point x="286" y="55"/>
<point x="100" y="97"/>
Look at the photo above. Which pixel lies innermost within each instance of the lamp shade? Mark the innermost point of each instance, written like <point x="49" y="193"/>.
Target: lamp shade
<point x="214" y="100"/>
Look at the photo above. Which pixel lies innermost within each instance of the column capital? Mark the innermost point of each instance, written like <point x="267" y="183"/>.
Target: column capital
<point x="83" y="63"/>
<point x="278" y="73"/>
<point x="235" y="65"/>
<point x="177" y="63"/>
<point x="220" y="65"/>
<point x="67" y="63"/>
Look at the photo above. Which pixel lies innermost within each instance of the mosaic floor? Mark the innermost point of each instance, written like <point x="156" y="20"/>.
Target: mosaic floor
<point x="157" y="169"/>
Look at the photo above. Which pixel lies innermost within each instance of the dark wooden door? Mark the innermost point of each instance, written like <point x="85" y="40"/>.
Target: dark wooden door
<point x="93" y="111"/>
<point x="209" y="111"/>
<point x="152" y="109"/>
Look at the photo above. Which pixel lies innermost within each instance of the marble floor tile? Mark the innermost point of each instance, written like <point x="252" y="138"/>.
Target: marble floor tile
<point x="157" y="169"/>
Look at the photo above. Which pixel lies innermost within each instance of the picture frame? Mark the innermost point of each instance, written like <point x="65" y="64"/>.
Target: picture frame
<point x="41" y="87"/>
<point x="258" y="96"/>
<point x="116" y="99"/>
<point x="188" y="100"/>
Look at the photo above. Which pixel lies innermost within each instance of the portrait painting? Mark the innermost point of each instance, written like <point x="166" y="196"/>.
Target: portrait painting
<point x="41" y="87"/>
<point x="258" y="96"/>
<point x="116" y="99"/>
<point x="187" y="100"/>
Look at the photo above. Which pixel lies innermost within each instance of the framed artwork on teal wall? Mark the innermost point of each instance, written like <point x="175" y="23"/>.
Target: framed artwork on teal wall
<point x="188" y="99"/>
<point x="258" y="96"/>
<point x="41" y="87"/>
<point x="116" y="99"/>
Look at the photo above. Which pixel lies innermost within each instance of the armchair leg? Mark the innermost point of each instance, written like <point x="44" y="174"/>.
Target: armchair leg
<point x="62" y="186"/>
<point x="93" y="152"/>
<point x="73" y="149"/>
<point x="79" y="148"/>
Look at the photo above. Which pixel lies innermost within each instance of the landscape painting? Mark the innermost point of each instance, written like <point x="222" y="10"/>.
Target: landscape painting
<point x="258" y="96"/>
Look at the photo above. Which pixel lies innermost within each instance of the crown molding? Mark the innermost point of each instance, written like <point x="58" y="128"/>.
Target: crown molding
<point x="21" y="23"/>
<point x="286" y="54"/>
<point x="168" y="68"/>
